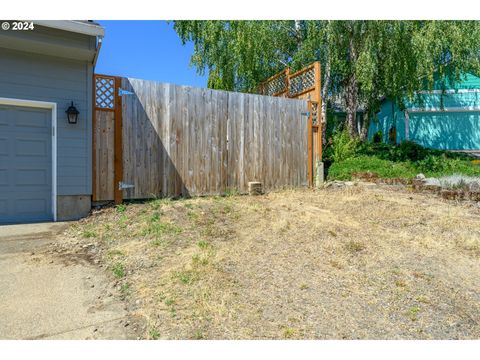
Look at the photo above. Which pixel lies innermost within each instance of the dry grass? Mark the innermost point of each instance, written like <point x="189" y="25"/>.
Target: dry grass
<point x="332" y="264"/>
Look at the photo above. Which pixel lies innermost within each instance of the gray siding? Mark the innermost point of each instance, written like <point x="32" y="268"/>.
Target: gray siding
<point x="45" y="78"/>
<point x="48" y="41"/>
<point x="55" y="37"/>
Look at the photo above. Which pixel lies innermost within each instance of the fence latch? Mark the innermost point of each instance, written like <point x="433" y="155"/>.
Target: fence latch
<point x="122" y="92"/>
<point x="122" y="185"/>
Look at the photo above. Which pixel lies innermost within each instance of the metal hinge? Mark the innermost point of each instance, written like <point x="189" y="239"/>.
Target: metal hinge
<point x="122" y="185"/>
<point x="124" y="92"/>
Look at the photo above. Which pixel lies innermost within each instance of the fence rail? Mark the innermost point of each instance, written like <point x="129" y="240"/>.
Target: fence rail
<point x="179" y="140"/>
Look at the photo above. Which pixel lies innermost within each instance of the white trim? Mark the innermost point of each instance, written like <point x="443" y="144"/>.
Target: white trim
<point x="449" y="91"/>
<point x="447" y="109"/>
<point x="53" y="107"/>
<point x="73" y="26"/>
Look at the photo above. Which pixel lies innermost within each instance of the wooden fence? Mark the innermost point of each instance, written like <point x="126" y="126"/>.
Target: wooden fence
<point x="304" y="84"/>
<point x="178" y="140"/>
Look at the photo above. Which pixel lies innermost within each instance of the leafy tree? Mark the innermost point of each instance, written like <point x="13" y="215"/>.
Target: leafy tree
<point x="362" y="61"/>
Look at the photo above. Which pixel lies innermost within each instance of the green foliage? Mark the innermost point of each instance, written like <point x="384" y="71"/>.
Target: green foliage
<point x="401" y="161"/>
<point x="366" y="60"/>
<point x="118" y="270"/>
<point x="377" y="137"/>
<point x="343" y="146"/>
<point x="434" y="164"/>
<point x="154" y="334"/>
<point x="121" y="208"/>
<point x="89" y="232"/>
<point x="383" y="168"/>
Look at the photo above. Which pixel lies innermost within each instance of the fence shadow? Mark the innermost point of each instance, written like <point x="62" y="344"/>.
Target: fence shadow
<point x="147" y="161"/>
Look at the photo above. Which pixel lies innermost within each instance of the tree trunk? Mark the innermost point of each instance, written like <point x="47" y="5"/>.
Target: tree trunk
<point x="326" y="85"/>
<point x="351" y="102"/>
<point x="365" y="125"/>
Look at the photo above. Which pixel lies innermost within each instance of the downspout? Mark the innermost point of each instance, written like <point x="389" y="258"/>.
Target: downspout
<point x="97" y="51"/>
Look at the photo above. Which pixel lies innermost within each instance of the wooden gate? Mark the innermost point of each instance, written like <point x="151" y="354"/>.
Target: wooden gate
<point x="304" y="84"/>
<point x="107" y="138"/>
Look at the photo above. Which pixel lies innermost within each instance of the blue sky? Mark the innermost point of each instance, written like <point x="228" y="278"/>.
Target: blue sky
<point x="149" y="50"/>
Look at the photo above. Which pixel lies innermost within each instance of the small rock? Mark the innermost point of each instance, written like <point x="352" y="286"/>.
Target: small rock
<point x="420" y="177"/>
<point x="126" y="324"/>
<point x="138" y="302"/>
<point x="368" y="184"/>
<point x="95" y="330"/>
<point x="92" y="286"/>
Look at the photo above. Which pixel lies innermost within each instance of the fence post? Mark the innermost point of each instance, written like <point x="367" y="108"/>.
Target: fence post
<point x="118" y="152"/>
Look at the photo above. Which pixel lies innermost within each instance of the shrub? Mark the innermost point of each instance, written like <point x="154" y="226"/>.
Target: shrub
<point x="434" y="164"/>
<point x="377" y="137"/>
<point x="343" y="146"/>
<point x="383" y="168"/>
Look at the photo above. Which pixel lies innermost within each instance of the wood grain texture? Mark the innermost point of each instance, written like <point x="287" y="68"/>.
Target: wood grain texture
<point x="184" y="141"/>
<point x="104" y="155"/>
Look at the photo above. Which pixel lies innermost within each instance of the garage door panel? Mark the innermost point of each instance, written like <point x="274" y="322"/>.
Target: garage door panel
<point x="31" y="119"/>
<point x="35" y="177"/>
<point x="4" y="177"/>
<point x="3" y="147"/>
<point x="3" y="208"/>
<point x="32" y="207"/>
<point x="32" y="147"/>
<point x="25" y="165"/>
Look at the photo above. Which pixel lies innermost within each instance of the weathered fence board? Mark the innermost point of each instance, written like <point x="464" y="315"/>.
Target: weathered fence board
<point x="179" y="140"/>
<point x="104" y="155"/>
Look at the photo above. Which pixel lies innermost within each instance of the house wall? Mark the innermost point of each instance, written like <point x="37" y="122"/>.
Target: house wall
<point x="34" y="76"/>
<point x="457" y="128"/>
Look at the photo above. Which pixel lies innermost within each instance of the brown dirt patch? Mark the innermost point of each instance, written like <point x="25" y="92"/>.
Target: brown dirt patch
<point x="355" y="263"/>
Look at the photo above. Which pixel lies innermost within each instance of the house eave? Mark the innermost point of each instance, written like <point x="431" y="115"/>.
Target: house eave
<point x="75" y="26"/>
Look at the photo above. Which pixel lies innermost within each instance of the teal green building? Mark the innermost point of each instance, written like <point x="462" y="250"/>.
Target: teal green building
<point x="442" y="119"/>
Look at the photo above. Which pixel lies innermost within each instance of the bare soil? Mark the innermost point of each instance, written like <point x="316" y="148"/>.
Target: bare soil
<point x="378" y="262"/>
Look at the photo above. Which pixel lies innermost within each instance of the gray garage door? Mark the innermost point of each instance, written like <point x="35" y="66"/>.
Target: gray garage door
<point x="25" y="164"/>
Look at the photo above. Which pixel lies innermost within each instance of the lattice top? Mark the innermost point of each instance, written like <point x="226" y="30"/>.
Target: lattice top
<point x="276" y="85"/>
<point x="289" y="85"/>
<point x="301" y="82"/>
<point x="314" y="113"/>
<point x="104" y="93"/>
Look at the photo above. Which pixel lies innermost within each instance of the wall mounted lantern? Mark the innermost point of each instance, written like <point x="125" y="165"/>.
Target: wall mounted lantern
<point x="72" y="114"/>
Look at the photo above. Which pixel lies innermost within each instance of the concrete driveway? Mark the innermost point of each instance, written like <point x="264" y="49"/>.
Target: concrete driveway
<point x="42" y="297"/>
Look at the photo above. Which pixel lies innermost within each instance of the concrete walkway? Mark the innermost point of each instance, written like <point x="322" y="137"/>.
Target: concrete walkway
<point x="42" y="297"/>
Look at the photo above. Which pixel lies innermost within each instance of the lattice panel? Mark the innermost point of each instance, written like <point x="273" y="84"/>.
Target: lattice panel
<point x="302" y="82"/>
<point x="314" y="113"/>
<point x="105" y="93"/>
<point x="275" y="86"/>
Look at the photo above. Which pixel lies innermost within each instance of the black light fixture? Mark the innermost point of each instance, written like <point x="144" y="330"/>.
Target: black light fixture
<point x="72" y="114"/>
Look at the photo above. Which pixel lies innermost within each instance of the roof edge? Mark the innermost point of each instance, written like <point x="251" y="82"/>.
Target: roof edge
<point x="80" y="27"/>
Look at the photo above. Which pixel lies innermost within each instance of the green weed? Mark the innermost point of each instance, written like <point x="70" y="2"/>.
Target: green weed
<point x="118" y="270"/>
<point x="120" y="208"/>
<point x="154" y="334"/>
